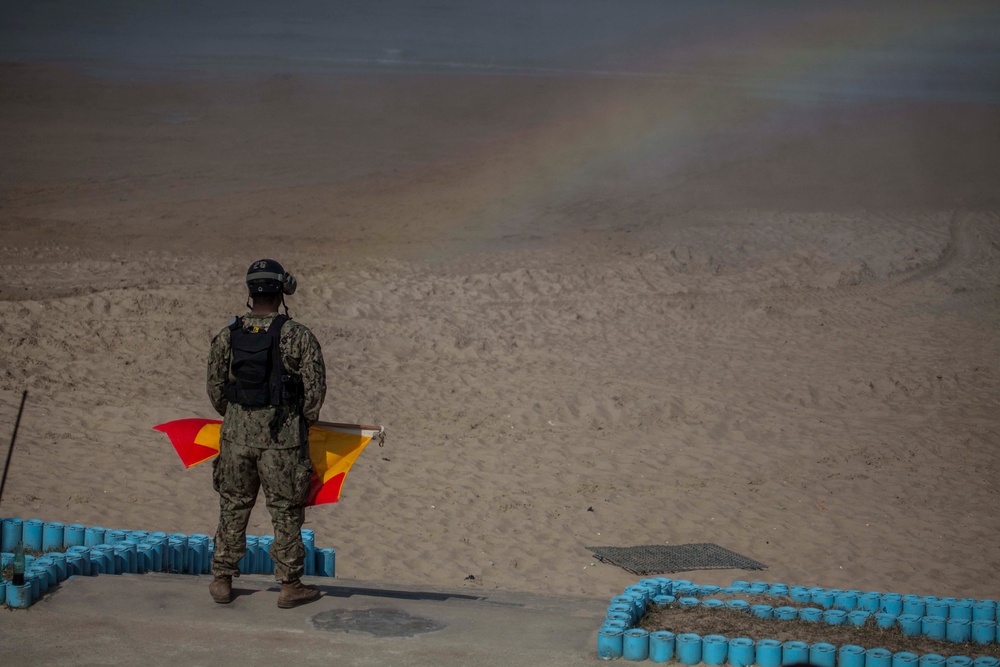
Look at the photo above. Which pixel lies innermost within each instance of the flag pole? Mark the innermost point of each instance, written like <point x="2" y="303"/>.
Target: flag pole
<point x="20" y="410"/>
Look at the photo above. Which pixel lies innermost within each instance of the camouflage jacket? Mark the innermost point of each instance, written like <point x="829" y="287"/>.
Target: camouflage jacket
<point x="280" y="427"/>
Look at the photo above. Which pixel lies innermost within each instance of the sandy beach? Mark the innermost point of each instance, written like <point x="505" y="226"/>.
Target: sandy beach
<point x="692" y="279"/>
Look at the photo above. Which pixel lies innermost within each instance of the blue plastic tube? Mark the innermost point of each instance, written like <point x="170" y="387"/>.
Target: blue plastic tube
<point x="961" y="609"/>
<point x="76" y="566"/>
<point x="640" y="600"/>
<point x="144" y="560"/>
<point x="12" y="534"/>
<point x="115" y="536"/>
<point x="910" y="625"/>
<point x="932" y="660"/>
<point x="959" y="661"/>
<point x="714" y="649"/>
<point x="984" y="610"/>
<point x="42" y="576"/>
<point x="623" y="616"/>
<point x="661" y="646"/>
<point x="835" y="616"/>
<point x="885" y="620"/>
<point x="851" y="655"/>
<point x="764" y="611"/>
<point x="136" y="536"/>
<point x="195" y="555"/>
<point x="768" y="653"/>
<point x="93" y="535"/>
<point x="739" y="605"/>
<point x="800" y="594"/>
<point x="326" y="562"/>
<point x="870" y="601"/>
<point x="97" y="562"/>
<point x="687" y="647"/>
<point x="778" y="590"/>
<point x="822" y="598"/>
<point x="621" y="607"/>
<point x="811" y="614"/>
<point x="33" y="534"/>
<point x="48" y="566"/>
<point x="620" y="625"/>
<point x="858" y="617"/>
<point x="74" y="535"/>
<point x="132" y="553"/>
<point x="741" y="652"/>
<point x="34" y="582"/>
<point x="204" y="550"/>
<point x="891" y="603"/>
<point x="822" y="654"/>
<point x="794" y="652"/>
<point x="123" y="560"/>
<point x="83" y="551"/>
<point x="905" y="659"/>
<point x="62" y="572"/>
<point x="959" y="630"/>
<point x="934" y="627"/>
<point x="178" y="554"/>
<point x="878" y="657"/>
<point x="609" y="643"/>
<point x="846" y="601"/>
<point x="19" y="597"/>
<point x="786" y="613"/>
<point x="936" y="607"/>
<point x="913" y="605"/>
<point x="635" y="644"/>
<point x="155" y="556"/>
<point x="983" y="632"/>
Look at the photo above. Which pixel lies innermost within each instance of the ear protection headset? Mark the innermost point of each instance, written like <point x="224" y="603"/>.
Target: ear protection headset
<point x="268" y="276"/>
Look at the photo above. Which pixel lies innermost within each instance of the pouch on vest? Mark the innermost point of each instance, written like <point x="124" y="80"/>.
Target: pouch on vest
<point x="256" y="365"/>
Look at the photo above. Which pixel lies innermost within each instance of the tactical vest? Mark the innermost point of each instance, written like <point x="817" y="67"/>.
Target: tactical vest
<point x="259" y="377"/>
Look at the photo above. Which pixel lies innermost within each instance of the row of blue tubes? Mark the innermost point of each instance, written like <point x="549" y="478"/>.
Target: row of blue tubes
<point x="950" y="619"/>
<point x="77" y="550"/>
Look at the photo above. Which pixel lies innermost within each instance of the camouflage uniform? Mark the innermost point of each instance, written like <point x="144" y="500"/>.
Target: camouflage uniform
<point x="266" y="446"/>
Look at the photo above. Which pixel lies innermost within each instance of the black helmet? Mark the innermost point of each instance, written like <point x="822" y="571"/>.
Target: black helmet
<point x="266" y="276"/>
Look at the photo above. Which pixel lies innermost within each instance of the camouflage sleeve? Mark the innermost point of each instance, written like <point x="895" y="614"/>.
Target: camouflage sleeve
<point x="218" y="371"/>
<point x="306" y="360"/>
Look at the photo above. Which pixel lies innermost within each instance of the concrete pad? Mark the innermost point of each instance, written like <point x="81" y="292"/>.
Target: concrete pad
<point x="158" y="619"/>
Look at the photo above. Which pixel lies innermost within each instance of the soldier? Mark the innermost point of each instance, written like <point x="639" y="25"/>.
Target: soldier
<point x="267" y="378"/>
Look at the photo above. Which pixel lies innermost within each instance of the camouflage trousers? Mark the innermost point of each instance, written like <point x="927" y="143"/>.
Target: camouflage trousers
<point x="238" y="473"/>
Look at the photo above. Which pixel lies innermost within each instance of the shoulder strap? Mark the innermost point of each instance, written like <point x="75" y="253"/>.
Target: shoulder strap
<point x="235" y="323"/>
<point x="278" y="321"/>
<point x="278" y="372"/>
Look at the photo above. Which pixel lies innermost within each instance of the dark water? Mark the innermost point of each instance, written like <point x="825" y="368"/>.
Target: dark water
<point x="936" y="52"/>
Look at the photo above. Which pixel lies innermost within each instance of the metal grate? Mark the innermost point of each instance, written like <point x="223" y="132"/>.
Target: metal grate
<point x="660" y="558"/>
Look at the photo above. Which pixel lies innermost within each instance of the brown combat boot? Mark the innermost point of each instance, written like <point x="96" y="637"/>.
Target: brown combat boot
<point x="221" y="589"/>
<point x="295" y="593"/>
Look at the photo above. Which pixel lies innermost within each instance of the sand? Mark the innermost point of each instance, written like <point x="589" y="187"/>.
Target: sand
<point x="591" y="309"/>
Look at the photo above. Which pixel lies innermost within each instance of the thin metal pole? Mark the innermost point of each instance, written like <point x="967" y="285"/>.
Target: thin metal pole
<point x="10" y="451"/>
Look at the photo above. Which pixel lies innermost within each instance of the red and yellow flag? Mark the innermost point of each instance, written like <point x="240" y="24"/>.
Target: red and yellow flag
<point x="333" y="448"/>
